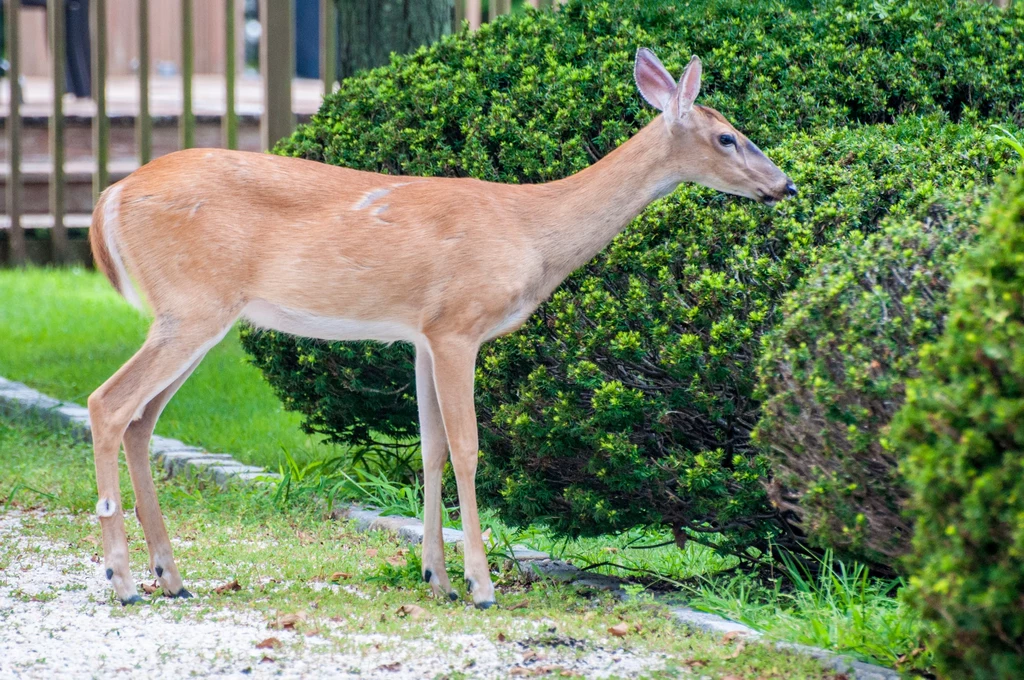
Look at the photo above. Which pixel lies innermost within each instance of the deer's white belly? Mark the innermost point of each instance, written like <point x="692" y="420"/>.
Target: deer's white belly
<point x="297" y="322"/>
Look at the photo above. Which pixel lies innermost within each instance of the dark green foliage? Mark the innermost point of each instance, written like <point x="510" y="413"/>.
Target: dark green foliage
<point x="371" y="384"/>
<point x="628" y="399"/>
<point x="833" y="371"/>
<point x="537" y="97"/>
<point x="962" y="430"/>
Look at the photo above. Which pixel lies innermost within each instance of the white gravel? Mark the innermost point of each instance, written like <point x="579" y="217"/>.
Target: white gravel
<point x="57" y="620"/>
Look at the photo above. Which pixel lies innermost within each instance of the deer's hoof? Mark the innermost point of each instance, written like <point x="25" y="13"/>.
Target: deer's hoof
<point x="183" y="594"/>
<point x="134" y="599"/>
<point x="482" y="592"/>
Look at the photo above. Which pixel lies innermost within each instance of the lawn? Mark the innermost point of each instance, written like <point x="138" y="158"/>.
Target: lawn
<point x="344" y="589"/>
<point x="64" y="332"/>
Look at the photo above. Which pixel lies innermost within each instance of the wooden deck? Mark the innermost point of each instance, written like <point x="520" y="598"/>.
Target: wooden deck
<point x="165" y="98"/>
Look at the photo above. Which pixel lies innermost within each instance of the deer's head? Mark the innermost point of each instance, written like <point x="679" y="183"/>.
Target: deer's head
<point x="707" y="148"/>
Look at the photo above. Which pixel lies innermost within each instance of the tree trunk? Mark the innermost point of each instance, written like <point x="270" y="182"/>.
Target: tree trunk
<point x="370" y="30"/>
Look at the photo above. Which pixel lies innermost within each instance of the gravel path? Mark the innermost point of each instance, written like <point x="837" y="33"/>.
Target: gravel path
<point x="57" y="620"/>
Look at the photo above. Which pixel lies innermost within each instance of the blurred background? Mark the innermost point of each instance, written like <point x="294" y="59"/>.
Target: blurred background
<point x="172" y="74"/>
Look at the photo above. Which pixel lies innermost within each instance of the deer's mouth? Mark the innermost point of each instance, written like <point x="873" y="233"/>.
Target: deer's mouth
<point x="771" y="198"/>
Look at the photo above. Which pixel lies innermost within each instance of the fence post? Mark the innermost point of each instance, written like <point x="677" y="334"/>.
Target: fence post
<point x="230" y="69"/>
<point x="188" y="122"/>
<point x="474" y="12"/>
<point x="277" y="66"/>
<point x="16" y="236"/>
<point x="58" y="234"/>
<point x="144" y="124"/>
<point x="328" y="44"/>
<point x="100" y="123"/>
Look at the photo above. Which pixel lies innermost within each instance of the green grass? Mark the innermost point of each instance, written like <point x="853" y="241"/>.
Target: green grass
<point x="283" y="559"/>
<point x="841" y="607"/>
<point x="66" y="331"/>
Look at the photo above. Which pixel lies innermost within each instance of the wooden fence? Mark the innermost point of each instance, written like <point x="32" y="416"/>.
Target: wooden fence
<point x="276" y="38"/>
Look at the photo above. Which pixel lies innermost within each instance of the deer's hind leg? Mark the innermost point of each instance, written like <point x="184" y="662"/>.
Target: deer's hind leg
<point x="173" y="345"/>
<point x="147" y="507"/>
<point x="434" y="445"/>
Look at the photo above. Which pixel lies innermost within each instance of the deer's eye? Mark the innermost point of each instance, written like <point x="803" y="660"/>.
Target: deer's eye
<point x="727" y="140"/>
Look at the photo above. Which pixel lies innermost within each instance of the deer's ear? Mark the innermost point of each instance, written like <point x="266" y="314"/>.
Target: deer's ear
<point x="689" y="87"/>
<point x="656" y="85"/>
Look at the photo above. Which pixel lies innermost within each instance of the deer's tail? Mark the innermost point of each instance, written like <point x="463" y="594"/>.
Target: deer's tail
<point x="103" y="241"/>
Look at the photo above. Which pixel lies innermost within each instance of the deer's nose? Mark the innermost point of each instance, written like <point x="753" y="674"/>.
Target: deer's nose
<point x="790" y="188"/>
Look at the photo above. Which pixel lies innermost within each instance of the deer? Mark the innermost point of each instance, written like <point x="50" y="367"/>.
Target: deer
<point x="210" y="236"/>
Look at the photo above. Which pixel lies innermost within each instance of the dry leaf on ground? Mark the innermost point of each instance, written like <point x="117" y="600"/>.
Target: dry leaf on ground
<point x="390" y="666"/>
<point x="149" y="588"/>
<point x="550" y="669"/>
<point x="619" y="629"/>
<point x="228" y="587"/>
<point x="269" y="643"/>
<point x="340" y="576"/>
<point x="413" y="611"/>
<point x="737" y="651"/>
<point x="289" y="620"/>
<point x="396" y="560"/>
<point x="371" y="552"/>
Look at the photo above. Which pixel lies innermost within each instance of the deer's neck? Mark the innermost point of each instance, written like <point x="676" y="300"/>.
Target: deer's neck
<point x="587" y="210"/>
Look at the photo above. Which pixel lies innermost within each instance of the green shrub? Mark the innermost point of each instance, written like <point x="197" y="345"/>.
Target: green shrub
<point x="539" y="96"/>
<point x="627" y="399"/>
<point x="371" y="384"/>
<point x="962" y="432"/>
<point x="833" y="370"/>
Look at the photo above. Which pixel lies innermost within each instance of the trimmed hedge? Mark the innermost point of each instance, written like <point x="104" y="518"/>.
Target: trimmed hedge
<point x="833" y="371"/>
<point x="962" y="430"/>
<point x="352" y="392"/>
<point x="538" y="96"/>
<point x="628" y="399"/>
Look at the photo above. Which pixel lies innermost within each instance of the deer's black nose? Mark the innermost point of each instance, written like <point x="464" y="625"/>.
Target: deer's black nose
<point x="790" y="188"/>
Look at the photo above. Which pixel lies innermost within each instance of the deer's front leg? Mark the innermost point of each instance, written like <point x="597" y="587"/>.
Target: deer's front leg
<point x="454" y="362"/>
<point x="435" y="453"/>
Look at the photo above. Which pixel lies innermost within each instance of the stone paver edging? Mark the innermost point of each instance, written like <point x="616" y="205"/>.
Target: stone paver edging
<point x="175" y="457"/>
